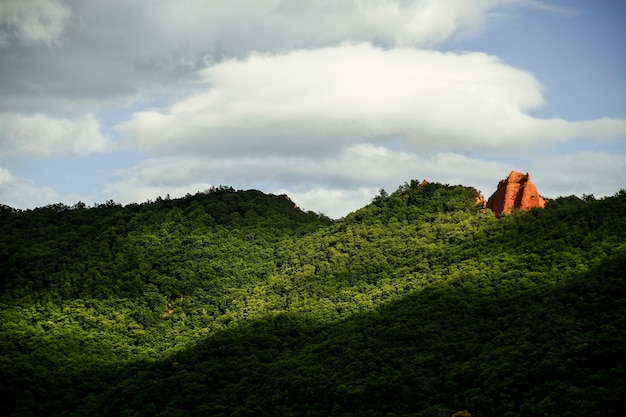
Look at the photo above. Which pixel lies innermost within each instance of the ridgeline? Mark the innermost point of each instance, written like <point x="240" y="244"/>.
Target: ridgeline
<point x="238" y="303"/>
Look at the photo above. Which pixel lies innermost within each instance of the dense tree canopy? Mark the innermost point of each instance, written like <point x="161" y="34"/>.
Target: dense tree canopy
<point x="239" y="303"/>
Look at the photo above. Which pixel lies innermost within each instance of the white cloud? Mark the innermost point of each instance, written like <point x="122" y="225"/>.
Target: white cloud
<point x="315" y="102"/>
<point x="334" y="203"/>
<point x="591" y="172"/>
<point x="113" y="51"/>
<point x="42" y="135"/>
<point x="335" y="185"/>
<point x="326" y="100"/>
<point x="21" y="193"/>
<point x="30" y="22"/>
<point x="133" y="190"/>
<point x="349" y="180"/>
<point x="236" y="27"/>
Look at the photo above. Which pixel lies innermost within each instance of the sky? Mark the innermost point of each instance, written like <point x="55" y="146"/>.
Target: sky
<point x="327" y="101"/>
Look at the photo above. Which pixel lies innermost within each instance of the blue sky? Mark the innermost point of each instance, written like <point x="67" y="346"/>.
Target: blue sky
<point x="576" y="53"/>
<point x="327" y="101"/>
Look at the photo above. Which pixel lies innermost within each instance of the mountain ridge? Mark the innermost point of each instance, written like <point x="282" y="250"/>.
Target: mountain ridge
<point x="419" y="304"/>
<point x="515" y="191"/>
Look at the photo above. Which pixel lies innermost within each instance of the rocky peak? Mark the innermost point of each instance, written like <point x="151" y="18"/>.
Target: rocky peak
<point x="516" y="191"/>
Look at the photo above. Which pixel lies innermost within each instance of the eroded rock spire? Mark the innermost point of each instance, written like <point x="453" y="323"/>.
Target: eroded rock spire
<point x="516" y="191"/>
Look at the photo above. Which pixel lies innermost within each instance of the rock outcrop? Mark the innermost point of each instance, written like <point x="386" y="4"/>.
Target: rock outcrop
<point x="516" y="191"/>
<point x="480" y="199"/>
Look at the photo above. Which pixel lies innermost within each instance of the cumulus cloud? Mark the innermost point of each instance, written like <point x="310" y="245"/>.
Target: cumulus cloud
<point x="589" y="172"/>
<point x="350" y="179"/>
<point x="326" y="100"/>
<point x="32" y="22"/>
<point x="236" y="27"/>
<point x="42" y="135"/>
<point x="315" y="102"/>
<point x="335" y="185"/>
<point x="22" y="193"/>
<point x="114" y="50"/>
<point x="134" y="190"/>
<point x="333" y="202"/>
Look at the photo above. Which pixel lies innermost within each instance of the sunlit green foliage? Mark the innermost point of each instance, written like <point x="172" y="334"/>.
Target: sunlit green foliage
<point x="238" y="303"/>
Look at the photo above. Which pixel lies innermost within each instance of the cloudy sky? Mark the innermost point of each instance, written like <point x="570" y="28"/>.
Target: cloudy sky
<point x="325" y="100"/>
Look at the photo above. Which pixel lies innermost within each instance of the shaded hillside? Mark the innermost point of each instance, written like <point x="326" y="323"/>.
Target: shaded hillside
<point x="518" y="348"/>
<point x="101" y="251"/>
<point x="417" y="304"/>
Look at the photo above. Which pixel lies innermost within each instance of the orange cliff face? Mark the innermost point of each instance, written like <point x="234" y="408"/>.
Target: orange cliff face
<point x="516" y="191"/>
<point x="480" y="199"/>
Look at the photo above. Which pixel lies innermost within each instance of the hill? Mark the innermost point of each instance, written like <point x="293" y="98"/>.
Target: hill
<point x="238" y="303"/>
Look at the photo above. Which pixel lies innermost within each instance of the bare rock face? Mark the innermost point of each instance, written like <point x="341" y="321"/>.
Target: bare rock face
<point x="516" y="191"/>
<point x="480" y="199"/>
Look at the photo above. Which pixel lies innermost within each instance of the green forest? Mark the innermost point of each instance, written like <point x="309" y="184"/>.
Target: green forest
<point x="238" y="303"/>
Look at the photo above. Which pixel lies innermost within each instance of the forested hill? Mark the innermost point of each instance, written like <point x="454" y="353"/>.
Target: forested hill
<point x="110" y="250"/>
<point x="237" y="303"/>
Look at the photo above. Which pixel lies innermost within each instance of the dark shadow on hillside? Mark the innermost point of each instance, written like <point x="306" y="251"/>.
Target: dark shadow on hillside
<point x="108" y="251"/>
<point x="533" y="351"/>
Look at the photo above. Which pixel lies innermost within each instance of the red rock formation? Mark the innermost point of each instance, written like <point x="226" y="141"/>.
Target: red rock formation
<point x="516" y="191"/>
<point x="480" y="199"/>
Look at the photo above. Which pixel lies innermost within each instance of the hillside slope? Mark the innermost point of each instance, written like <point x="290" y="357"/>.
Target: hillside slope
<point x="238" y="303"/>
